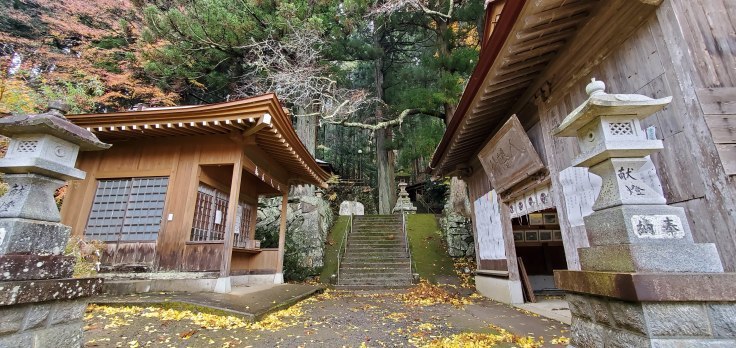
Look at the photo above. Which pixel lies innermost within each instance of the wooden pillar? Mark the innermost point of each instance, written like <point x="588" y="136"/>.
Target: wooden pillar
<point x="232" y="216"/>
<point x="282" y="239"/>
<point x="253" y="221"/>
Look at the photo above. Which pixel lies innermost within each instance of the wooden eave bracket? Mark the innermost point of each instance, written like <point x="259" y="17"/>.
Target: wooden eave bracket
<point x="263" y="121"/>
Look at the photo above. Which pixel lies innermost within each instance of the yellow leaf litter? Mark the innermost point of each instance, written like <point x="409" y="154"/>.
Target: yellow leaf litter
<point x="426" y="294"/>
<point x="118" y="315"/>
<point x="479" y="340"/>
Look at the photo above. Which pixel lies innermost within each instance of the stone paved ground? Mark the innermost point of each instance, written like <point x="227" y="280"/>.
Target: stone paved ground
<point x="391" y="318"/>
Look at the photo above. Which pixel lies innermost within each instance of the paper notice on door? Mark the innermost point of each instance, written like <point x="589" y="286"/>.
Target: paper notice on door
<point x="218" y="217"/>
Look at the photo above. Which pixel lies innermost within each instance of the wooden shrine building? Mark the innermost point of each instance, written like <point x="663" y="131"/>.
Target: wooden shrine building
<point x="179" y="189"/>
<point x="536" y="59"/>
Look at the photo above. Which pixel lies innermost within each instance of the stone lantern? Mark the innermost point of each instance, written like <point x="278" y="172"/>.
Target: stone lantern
<point x="403" y="203"/>
<point x="644" y="282"/>
<point x="40" y="304"/>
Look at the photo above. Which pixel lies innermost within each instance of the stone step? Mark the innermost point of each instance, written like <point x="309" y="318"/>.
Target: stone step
<point x="375" y="282"/>
<point x="372" y="257"/>
<point x="375" y="276"/>
<point x="375" y="272"/>
<point x="376" y="224"/>
<point x="375" y="253"/>
<point x="394" y="262"/>
<point x="376" y="247"/>
<point x="375" y="266"/>
<point x="370" y="239"/>
<point x="375" y="232"/>
<point x="377" y="217"/>
<point x="359" y="229"/>
<point x="372" y="287"/>
<point x="381" y="251"/>
<point x="375" y="242"/>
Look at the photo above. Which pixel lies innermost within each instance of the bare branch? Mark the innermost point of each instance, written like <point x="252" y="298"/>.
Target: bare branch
<point x="394" y="6"/>
<point x="292" y="67"/>
<point x="390" y="123"/>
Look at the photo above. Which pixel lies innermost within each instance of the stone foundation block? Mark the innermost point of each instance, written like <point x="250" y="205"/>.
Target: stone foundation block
<point x="586" y="334"/>
<point x="693" y="258"/>
<point x="579" y="306"/>
<point x="629" y="316"/>
<point x="601" y="314"/>
<point x="30" y="267"/>
<point x="66" y="311"/>
<point x="36" y="315"/>
<point x="59" y="336"/>
<point x="22" y="236"/>
<point x="723" y="316"/>
<point x="34" y="291"/>
<point x="625" y="339"/>
<point x="618" y="225"/>
<point x="676" y="319"/>
<point x="689" y="343"/>
<point x="19" y="340"/>
<point x="11" y="319"/>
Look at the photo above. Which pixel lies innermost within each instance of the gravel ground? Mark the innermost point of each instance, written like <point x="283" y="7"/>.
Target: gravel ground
<point x="333" y="319"/>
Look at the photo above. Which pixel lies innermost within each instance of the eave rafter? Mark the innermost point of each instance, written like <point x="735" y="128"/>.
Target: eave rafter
<point x="261" y="118"/>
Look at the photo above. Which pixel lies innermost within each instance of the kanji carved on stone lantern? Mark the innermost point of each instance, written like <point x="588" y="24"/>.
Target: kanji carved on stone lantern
<point x="643" y="278"/>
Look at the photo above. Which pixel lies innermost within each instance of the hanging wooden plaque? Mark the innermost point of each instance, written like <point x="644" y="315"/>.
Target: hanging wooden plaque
<point x="509" y="156"/>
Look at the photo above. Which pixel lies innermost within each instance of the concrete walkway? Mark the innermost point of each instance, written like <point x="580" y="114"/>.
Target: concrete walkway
<point x="550" y="307"/>
<point x="333" y="319"/>
<point x="248" y="302"/>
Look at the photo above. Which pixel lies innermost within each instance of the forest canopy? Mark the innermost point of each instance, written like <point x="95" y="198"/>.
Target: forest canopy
<point x="370" y="84"/>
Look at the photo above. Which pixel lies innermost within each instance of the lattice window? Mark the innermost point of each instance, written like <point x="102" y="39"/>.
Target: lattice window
<point x="127" y="209"/>
<point x="245" y="217"/>
<point x="27" y="146"/>
<point x="621" y="128"/>
<point x="210" y="214"/>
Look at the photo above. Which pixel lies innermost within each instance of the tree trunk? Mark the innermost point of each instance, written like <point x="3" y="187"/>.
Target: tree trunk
<point x="306" y="129"/>
<point x="384" y="157"/>
<point x="385" y="167"/>
<point x="459" y="201"/>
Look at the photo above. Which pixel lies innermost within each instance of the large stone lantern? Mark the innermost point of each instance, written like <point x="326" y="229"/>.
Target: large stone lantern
<point x="40" y="304"/>
<point x="644" y="282"/>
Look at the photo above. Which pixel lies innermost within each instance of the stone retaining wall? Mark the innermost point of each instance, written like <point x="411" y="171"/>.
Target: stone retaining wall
<point x="45" y="324"/>
<point x="308" y="221"/>
<point x="458" y="233"/>
<point x="599" y="321"/>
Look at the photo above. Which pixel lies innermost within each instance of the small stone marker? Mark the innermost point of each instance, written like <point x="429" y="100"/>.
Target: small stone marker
<point x="403" y="203"/>
<point x="644" y="282"/>
<point x="40" y="305"/>
<point x="351" y="208"/>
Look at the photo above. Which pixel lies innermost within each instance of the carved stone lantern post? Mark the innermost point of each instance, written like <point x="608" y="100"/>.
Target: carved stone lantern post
<point x="40" y="304"/>
<point x="403" y="203"/>
<point x="644" y="282"/>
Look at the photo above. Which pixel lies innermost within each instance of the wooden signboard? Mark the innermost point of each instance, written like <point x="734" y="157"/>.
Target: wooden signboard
<point x="509" y="157"/>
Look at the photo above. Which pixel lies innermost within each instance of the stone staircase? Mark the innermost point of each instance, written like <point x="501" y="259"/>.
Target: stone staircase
<point x="375" y="255"/>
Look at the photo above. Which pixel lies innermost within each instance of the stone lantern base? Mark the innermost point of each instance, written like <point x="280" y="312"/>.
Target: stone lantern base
<point x="651" y="310"/>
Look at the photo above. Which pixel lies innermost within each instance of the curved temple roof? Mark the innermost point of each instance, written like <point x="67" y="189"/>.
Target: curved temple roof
<point x="260" y="116"/>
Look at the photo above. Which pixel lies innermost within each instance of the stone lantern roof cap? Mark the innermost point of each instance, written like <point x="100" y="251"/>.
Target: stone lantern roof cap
<point x="54" y="123"/>
<point x="601" y="103"/>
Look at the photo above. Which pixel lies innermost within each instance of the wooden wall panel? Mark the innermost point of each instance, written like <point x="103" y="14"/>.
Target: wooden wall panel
<point x="708" y="30"/>
<point x="654" y="62"/>
<point x="260" y="263"/>
<point x="202" y="257"/>
<point x="180" y="199"/>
